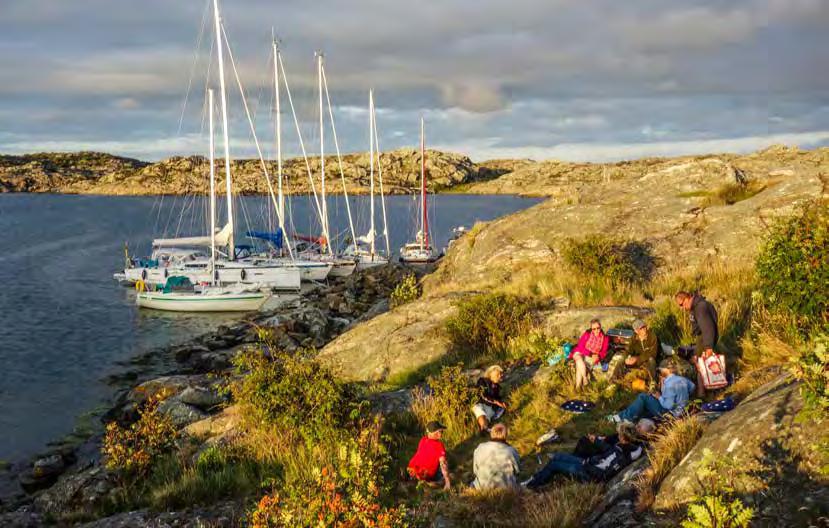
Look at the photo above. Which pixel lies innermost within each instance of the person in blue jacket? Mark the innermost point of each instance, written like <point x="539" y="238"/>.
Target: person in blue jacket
<point x="671" y="399"/>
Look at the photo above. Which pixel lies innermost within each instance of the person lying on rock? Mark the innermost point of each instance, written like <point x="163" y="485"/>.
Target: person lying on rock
<point x="429" y="463"/>
<point x="590" y="351"/>
<point x="600" y="467"/>
<point x="671" y="399"/>
<point x="495" y="463"/>
<point x="593" y="444"/>
<point x="641" y="357"/>
<point x="490" y="406"/>
<point x="703" y="317"/>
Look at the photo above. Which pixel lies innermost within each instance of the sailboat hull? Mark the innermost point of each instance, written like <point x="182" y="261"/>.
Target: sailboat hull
<point x="201" y="302"/>
<point x="277" y="277"/>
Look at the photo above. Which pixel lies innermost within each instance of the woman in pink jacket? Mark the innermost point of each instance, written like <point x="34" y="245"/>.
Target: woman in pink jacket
<point x="591" y="349"/>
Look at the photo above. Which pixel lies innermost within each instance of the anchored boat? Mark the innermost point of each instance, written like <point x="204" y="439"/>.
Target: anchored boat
<point x="421" y="251"/>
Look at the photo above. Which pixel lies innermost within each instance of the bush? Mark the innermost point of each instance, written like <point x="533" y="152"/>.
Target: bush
<point x="450" y="402"/>
<point x="485" y="324"/>
<point x="133" y="450"/>
<point x="347" y="493"/>
<point x="716" y="507"/>
<point x="294" y="393"/>
<point x="405" y="292"/>
<point x="812" y="369"/>
<point x="793" y="269"/>
<point x="630" y="262"/>
<point x="534" y="347"/>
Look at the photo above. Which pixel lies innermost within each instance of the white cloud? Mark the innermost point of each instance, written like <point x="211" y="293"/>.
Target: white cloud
<point x="599" y="152"/>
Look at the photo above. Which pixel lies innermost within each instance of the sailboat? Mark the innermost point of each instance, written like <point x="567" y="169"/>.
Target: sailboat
<point x="180" y="295"/>
<point x="319" y="247"/>
<point x="421" y="251"/>
<point x="363" y="249"/>
<point x="183" y="256"/>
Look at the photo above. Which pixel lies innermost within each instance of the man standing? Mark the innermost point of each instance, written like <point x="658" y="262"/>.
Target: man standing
<point x="429" y="461"/>
<point x="703" y="318"/>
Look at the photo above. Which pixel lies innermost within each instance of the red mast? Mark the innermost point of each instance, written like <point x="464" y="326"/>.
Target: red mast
<point x="423" y="184"/>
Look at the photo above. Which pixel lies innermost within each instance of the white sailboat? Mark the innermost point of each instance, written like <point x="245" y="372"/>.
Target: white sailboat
<point x="421" y="251"/>
<point x="363" y="249"/>
<point x="320" y="248"/>
<point x="182" y="256"/>
<point x="213" y="298"/>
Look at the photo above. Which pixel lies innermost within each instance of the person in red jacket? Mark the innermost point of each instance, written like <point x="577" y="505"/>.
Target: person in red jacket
<point x="590" y="350"/>
<point x="429" y="461"/>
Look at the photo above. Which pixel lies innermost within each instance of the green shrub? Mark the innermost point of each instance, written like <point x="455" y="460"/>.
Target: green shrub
<point x="533" y="347"/>
<point x="405" y="292"/>
<point x="348" y="491"/>
<point x="716" y="507"/>
<point x="793" y="269"/>
<point x="812" y="369"/>
<point x="294" y="393"/>
<point x="450" y="402"/>
<point x="485" y="324"/>
<point x="622" y="262"/>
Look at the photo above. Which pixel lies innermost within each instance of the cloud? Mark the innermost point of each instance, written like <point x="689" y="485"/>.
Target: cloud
<point x="606" y="152"/>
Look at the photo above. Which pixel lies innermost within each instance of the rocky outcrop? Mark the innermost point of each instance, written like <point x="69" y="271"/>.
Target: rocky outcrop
<point x="96" y="173"/>
<point x="768" y="453"/>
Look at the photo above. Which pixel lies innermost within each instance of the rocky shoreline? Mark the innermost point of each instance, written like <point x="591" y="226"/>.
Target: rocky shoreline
<point x="69" y="476"/>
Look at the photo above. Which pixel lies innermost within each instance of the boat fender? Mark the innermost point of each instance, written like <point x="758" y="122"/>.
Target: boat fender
<point x="140" y="286"/>
<point x="143" y="274"/>
<point x="244" y="274"/>
<point x="166" y="273"/>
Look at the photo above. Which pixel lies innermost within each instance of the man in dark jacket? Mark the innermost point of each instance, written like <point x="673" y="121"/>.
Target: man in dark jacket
<point x="703" y="318"/>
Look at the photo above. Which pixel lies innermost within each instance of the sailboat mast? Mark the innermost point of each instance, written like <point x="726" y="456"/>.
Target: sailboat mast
<point x="424" y="240"/>
<point x="228" y="184"/>
<point x="212" y="193"/>
<point x="322" y="159"/>
<point x="371" y="164"/>
<point x="380" y="178"/>
<point x="280" y="194"/>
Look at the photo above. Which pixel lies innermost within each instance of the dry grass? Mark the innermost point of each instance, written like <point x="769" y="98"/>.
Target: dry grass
<point x="563" y="506"/>
<point x="460" y="425"/>
<point x="673" y="442"/>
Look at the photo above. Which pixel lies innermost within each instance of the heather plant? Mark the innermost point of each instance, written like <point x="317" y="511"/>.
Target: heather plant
<point x="533" y="347"/>
<point x="485" y="324"/>
<point x="133" y="450"/>
<point x="405" y="292"/>
<point x="793" y="269"/>
<point x="621" y="262"/>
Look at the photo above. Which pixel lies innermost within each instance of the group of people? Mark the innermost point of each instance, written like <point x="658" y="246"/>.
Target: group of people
<point x="496" y="464"/>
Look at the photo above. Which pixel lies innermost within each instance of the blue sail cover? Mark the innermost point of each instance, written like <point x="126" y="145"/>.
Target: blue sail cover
<point x="273" y="238"/>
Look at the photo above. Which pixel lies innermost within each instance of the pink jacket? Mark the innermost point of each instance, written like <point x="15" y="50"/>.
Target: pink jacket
<point x="581" y="347"/>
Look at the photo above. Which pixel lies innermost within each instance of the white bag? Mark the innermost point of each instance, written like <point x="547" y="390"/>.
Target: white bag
<point x="712" y="371"/>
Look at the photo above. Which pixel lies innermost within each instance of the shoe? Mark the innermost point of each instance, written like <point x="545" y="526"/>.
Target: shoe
<point x="614" y="418"/>
<point x="548" y="437"/>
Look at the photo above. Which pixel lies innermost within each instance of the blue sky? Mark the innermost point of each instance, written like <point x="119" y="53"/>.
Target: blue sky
<point x="597" y="80"/>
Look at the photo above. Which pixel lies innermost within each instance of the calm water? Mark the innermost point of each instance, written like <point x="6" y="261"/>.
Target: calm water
<point x="65" y="324"/>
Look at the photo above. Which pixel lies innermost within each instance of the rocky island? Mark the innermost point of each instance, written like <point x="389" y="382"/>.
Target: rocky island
<point x="306" y="416"/>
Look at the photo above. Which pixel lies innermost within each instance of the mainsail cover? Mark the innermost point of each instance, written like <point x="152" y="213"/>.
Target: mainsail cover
<point x="222" y="238"/>
<point x="274" y="238"/>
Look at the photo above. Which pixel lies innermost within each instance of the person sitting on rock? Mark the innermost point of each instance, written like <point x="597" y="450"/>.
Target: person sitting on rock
<point x="490" y="406"/>
<point x="641" y="358"/>
<point x="703" y="317"/>
<point x="600" y="467"/>
<point x="590" y="350"/>
<point x="429" y="463"/>
<point x="672" y="399"/>
<point x="496" y="463"/>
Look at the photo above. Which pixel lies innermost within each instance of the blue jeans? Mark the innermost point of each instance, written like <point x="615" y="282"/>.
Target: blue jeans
<point x="560" y="464"/>
<point x="644" y="406"/>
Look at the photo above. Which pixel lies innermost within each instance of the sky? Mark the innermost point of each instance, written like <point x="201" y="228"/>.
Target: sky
<point x="573" y="80"/>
